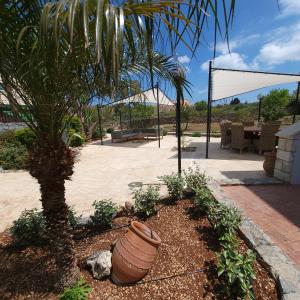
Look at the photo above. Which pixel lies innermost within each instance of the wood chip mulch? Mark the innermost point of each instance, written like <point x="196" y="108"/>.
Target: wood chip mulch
<point x="188" y="244"/>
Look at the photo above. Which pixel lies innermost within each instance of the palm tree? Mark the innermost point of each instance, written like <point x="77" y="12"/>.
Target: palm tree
<point x="53" y="52"/>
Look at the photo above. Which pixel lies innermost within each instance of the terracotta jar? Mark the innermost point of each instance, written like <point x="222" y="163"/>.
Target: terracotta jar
<point x="269" y="163"/>
<point x="134" y="254"/>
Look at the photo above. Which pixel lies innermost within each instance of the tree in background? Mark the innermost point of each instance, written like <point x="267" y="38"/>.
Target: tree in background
<point x="200" y="105"/>
<point x="274" y="104"/>
<point x="235" y="101"/>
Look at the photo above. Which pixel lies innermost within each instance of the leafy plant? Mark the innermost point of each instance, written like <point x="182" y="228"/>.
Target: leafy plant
<point x="7" y="136"/>
<point x="97" y="133"/>
<point x="109" y="130"/>
<point x="79" y="291"/>
<point x="25" y="136"/>
<point x="29" y="228"/>
<point x="13" y="156"/>
<point x="75" y="139"/>
<point x="194" y="178"/>
<point x="228" y="241"/>
<point x="236" y="270"/>
<point x="204" y="200"/>
<point x="175" y="184"/>
<point x="165" y="132"/>
<point x="225" y="219"/>
<point x="196" y="134"/>
<point x="145" y="200"/>
<point x="105" y="211"/>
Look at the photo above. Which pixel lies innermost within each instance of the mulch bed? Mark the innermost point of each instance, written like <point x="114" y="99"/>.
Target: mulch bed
<point x="188" y="244"/>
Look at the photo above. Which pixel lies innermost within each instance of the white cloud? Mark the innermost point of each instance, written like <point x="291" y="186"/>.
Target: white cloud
<point x="231" y="60"/>
<point x="184" y="59"/>
<point x="289" y="7"/>
<point x="282" y="49"/>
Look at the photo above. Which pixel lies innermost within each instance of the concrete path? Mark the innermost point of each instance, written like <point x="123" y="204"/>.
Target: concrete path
<point x="112" y="170"/>
<point x="276" y="209"/>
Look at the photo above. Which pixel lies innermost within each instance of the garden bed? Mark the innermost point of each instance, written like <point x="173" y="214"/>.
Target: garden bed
<point x="189" y="244"/>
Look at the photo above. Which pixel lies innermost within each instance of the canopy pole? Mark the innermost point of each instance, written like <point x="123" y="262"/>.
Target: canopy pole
<point x="259" y="109"/>
<point x="208" y="109"/>
<point x="158" y="116"/>
<point x="100" y="123"/>
<point x="178" y="128"/>
<point x="130" y="124"/>
<point x="120" y="113"/>
<point x="296" y="103"/>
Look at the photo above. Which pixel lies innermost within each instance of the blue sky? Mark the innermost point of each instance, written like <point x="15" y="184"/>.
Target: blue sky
<point x="263" y="37"/>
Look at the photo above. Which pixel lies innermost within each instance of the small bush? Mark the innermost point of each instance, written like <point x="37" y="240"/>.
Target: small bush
<point x="26" y="137"/>
<point x="196" y="134"/>
<point x="74" y="123"/>
<point x="13" y="156"/>
<point x="175" y="185"/>
<point x="97" y="134"/>
<point x="105" y="211"/>
<point x="79" y="291"/>
<point x="75" y="139"/>
<point x="229" y="241"/>
<point x="165" y="132"/>
<point x="194" y="178"/>
<point x="29" y="228"/>
<point x="204" y="201"/>
<point x="109" y="130"/>
<point x="236" y="271"/>
<point x="7" y="136"/>
<point x="145" y="200"/>
<point x="225" y="219"/>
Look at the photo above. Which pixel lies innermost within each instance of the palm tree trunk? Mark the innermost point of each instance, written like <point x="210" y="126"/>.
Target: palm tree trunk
<point x="51" y="164"/>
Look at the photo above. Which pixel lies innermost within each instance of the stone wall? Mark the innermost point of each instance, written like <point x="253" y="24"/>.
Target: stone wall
<point x="11" y="126"/>
<point x="285" y="159"/>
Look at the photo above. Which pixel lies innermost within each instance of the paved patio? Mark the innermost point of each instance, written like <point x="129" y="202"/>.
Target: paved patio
<point x="112" y="170"/>
<point x="276" y="209"/>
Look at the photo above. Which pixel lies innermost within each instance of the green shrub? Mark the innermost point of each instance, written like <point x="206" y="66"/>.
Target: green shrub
<point x="29" y="228"/>
<point x="175" y="184"/>
<point x="165" y="132"/>
<point x="79" y="291"/>
<point x="225" y="219"/>
<point x="194" y="178"/>
<point x="13" y="156"/>
<point x="75" y="139"/>
<point x="25" y="136"/>
<point x="145" y="200"/>
<point x="74" y="123"/>
<point x="196" y="134"/>
<point x="204" y="201"/>
<point x="229" y="241"/>
<point x="105" y="211"/>
<point x="97" y="134"/>
<point x="236" y="271"/>
<point x="7" y="136"/>
<point x="109" y="130"/>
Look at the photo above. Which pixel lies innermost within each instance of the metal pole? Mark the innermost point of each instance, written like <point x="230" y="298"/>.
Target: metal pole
<point x="259" y="109"/>
<point x="120" y="119"/>
<point x="296" y="103"/>
<point x="208" y="109"/>
<point x="178" y="127"/>
<point x="130" y="124"/>
<point x="100" y="125"/>
<point x="158" y="117"/>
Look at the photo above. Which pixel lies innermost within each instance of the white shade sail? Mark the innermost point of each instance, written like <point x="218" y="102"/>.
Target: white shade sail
<point x="227" y="83"/>
<point x="148" y="97"/>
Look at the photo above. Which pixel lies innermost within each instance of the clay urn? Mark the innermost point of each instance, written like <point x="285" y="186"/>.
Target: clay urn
<point x="134" y="254"/>
<point x="269" y="163"/>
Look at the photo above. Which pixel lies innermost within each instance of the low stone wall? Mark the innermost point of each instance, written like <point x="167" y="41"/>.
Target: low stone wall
<point x="11" y="126"/>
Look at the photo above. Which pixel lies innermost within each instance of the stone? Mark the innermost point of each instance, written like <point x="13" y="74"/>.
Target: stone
<point x="129" y="208"/>
<point x="100" y="264"/>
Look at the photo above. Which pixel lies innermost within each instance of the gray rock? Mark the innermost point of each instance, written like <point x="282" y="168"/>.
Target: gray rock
<point x="100" y="264"/>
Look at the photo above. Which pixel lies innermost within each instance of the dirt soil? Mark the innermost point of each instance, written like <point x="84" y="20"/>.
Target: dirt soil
<point x="188" y="244"/>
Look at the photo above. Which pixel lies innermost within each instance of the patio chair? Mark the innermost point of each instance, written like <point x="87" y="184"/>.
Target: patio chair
<point x="248" y="123"/>
<point x="267" y="139"/>
<point x="225" y="133"/>
<point x="238" y="140"/>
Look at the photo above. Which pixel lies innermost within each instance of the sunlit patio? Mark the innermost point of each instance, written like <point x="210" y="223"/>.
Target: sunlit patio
<point x="111" y="171"/>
